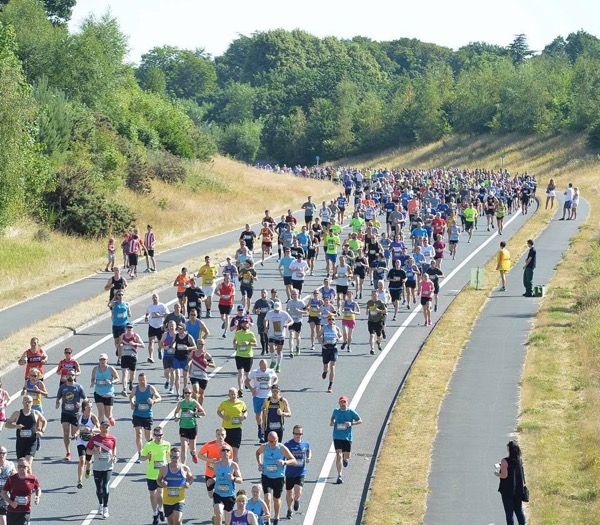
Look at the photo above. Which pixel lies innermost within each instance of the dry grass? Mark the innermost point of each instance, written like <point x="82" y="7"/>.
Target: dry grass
<point x="216" y="197"/>
<point x="573" y="407"/>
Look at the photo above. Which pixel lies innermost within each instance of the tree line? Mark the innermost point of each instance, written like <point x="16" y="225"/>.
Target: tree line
<point x="78" y="122"/>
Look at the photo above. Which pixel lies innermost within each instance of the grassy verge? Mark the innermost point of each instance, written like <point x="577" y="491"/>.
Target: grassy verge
<point x="216" y="197"/>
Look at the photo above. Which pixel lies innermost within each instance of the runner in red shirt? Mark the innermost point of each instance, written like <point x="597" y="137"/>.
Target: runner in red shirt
<point x="226" y="293"/>
<point x="17" y="493"/>
<point x="66" y="365"/>
<point x="34" y="357"/>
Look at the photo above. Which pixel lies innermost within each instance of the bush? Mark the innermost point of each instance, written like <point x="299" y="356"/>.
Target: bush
<point x="91" y="215"/>
<point x="168" y="168"/>
<point x="593" y="137"/>
<point x="139" y="175"/>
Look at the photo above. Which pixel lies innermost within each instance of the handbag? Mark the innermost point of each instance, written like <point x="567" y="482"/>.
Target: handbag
<point x="525" y="493"/>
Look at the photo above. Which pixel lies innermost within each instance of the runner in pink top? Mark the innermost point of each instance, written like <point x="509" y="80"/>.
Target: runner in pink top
<point x="426" y="295"/>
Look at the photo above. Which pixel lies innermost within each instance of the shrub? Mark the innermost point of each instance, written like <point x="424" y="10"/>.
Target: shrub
<point x="167" y="167"/>
<point x="139" y="175"/>
<point x="93" y="216"/>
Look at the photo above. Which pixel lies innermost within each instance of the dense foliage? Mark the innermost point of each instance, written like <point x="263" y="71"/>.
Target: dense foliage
<point x="72" y="107"/>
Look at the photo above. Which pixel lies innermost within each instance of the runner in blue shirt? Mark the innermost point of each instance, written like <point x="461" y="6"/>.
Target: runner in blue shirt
<point x="294" y="474"/>
<point x="342" y="421"/>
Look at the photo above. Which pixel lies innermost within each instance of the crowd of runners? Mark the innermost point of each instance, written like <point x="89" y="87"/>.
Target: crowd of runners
<point x="378" y="249"/>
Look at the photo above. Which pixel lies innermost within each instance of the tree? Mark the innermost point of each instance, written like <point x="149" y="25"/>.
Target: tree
<point x="59" y="11"/>
<point x="519" y="49"/>
<point x="187" y="74"/>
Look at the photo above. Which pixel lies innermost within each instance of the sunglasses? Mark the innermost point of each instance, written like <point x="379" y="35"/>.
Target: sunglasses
<point x="23" y="466"/>
<point x="298" y="433"/>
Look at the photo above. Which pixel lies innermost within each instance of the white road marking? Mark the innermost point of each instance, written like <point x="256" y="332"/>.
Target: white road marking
<point x="317" y="494"/>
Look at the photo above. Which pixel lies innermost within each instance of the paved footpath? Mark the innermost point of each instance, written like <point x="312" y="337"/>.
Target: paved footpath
<point x="479" y="414"/>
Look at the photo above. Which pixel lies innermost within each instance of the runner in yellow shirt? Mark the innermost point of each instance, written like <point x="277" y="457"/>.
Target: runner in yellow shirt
<point x="208" y="273"/>
<point x="156" y="452"/>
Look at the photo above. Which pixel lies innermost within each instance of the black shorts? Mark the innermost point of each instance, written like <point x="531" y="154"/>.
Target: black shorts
<point x="118" y="331"/>
<point x="81" y="450"/>
<point x="290" y="483"/>
<point x="342" y="444"/>
<point x="202" y="383"/>
<point x="329" y="354"/>
<point x="411" y="284"/>
<point x="228" y="502"/>
<point x="490" y="212"/>
<point x="425" y="300"/>
<point x="133" y="259"/>
<point x="152" y="485"/>
<point x="276" y="342"/>
<point x="189" y="433"/>
<point x="287" y="280"/>
<point x="107" y="401"/>
<point x="395" y="293"/>
<point x="26" y="447"/>
<point x="149" y="252"/>
<point x="314" y="320"/>
<point x="18" y="518"/>
<point x="274" y="484"/>
<point x="375" y="327"/>
<point x="168" y="361"/>
<point x="311" y="253"/>
<point x="225" y="309"/>
<point x="308" y="219"/>
<point x="155" y="332"/>
<point x="267" y="245"/>
<point x="246" y="291"/>
<point x="341" y="289"/>
<point x="297" y="284"/>
<point x="169" y="509"/>
<point x="129" y="362"/>
<point x="234" y="437"/>
<point x="144" y="422"/>
<point x="243" y="363"/>
<point x="69" y="418"/>
<point x="468" y="226"/>
<point x="360" y="271"/>
<point x="3" y="508"/>
<point x="296" y="327"/>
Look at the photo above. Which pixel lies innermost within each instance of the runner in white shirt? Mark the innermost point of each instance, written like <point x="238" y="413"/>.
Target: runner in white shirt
<point x="155" y="316"/>
<point x="276" y="324"/>
<point x="259" y="381"/>
<point x="298" y="268"/>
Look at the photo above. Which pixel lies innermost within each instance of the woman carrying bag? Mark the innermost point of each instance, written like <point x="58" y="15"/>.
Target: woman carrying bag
<point x="512" y="484"/>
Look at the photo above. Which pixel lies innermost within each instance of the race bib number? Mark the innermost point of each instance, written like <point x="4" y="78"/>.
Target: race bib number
<point x="236" y="420"/>
<point x="187" y="414"/>
<point x="143" y="406"/>
<point x="274" y="425"/>
<point x="104" y="456"/>
<point x="223" y="488"/>
<point x="26" y="433"/>
<point x="264" y="386"/>
<point x="21" y="500"/>
<point x="69" y="406"/>
<point x="341" y="426"/>
<point x="173" y="492"/>
<point x="271" y="468"/>
<point x="208" y="281"/>
<point x="192" y="304"/>
<point x="225" y="296"/>
<point x="121" y="315"/>
<point x="158" y="465"/>
<point x="373" y="312"/>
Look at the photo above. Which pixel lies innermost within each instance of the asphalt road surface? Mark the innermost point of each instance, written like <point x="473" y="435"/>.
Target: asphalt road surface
<point x="371" y="382"/>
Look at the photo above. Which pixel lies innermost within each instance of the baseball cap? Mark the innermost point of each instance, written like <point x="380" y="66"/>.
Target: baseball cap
<point x="105" y="422"/>
<point x="103" y="356"/>
<point x="343" y="398"/>
<point x="275" y="387"/>
<point x="240" y="307"/>
<point x="276" y="305"/>
<point x="181" y="325"/>
<point x="128" y="325"/>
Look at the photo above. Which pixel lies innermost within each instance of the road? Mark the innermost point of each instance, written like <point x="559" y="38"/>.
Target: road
<point x="370" y="381"/>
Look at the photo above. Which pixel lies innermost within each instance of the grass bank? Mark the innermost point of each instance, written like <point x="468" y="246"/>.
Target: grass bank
<point x="558" y="424"/>
<point x="216" y="197"/>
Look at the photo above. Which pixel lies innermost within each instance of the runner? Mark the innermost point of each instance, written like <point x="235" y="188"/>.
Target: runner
<point x="231" y="269"/>
<point x="34" y="357"/>
<point x="226" y="293"/>
<point x="295" y="474"/>
<point x="247" y="279"/>
<point x="244" y="341"/>
<point x="34" y="386"/>
<point x="184" y="344"/>
<point x="149" y="247"/>
<point x="66" y="365"/>
<point x="342" y="273"/>
<point x="208" y="273"/>
<point x="331" y="242"/>
<point x="121" y="313"/>
<point x="426" y="292"/>
<point x="376" y="310"/>
<point x="142" y="399"/>
<point x="18" y="491"/>
<point x="248" y="236"/>
<point x="296" y="308"/>
<point x="274" y="411"/>
<point x="342" y="421"/>
<point x="210" y="453"/>
<point x="227" y="474"/>
<point x="435" y="274"/>
<point x="309" y="208"/>
<point x="103" y="447"/>
<point x="261" y="307"/>
<point x="233" y="412"/>
<point x="195" y="295"/>
<point x="104" y="377"/>
<point x="87" y="425"/>
<point x="7" y="469"/>
<point x="360" y="271"/>
<point x="72" y="396"/>
<point x="470" y="214"/>
<point x="259" y="382"/>
<point x="396" y="277"/>
<point x="115" y="283"/>
<point x="128" y="346"/>
<point x="284" y="270"/>
<point x="200" y="362"/>
<point x="111" y="251"/>
<point x="272" y="458"/>
<point x="189" y="409"/>
<point x="257" y="505"/>
<point x="30" y="425"/>
<point x="182" y="281"/>
<point x="241" y="515"/>
<point x="350" y="310"/>
<point x="157" y="453"/>
<point x="174" y="478"/>
<point x="276" y="323"/>
<point x="454" y="236"/>
<point x="299" y="269"/>
<point x="4" y="402"/>
<point x="167" y="345"/>
<point x="266" y="234"/>
<point x="330" y="337"/>
<point x="412" y="277"/>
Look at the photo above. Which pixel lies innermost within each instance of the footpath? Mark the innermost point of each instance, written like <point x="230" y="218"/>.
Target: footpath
<point x="479" y="414"/>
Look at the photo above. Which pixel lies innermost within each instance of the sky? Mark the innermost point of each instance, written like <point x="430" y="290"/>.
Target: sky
<point x="213" y="25"/>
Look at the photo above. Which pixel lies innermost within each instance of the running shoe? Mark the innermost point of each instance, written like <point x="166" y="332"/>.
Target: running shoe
<point x="161" y="514"/>
<point x="100" y="510"/>
<point x="124" y="393"/>
<point x="379" y="346"/>
<point x="329" y="389"/>
<point x="68" y="456"/>
<point x="394" y="318"/>
<point x="195" y="458"/>
<point x="272" y="364"/>
<point x="324" y="375"/>
<point x="340" y="480"/>
<point x="345" y="463"/>
<point x="278" y="369"/>
<point x="312" y="347"/>
<point x="383" y="334"/>
<point x="224" y="335"/>
<point x="343" y="345"/>
<point x="240" y="393"/>
<point x="160" y="355"/>
<point x="296" y="505"/>
<point x="222" y="326"/>
<point x="87" y="474"/>
<point x="291" y="355"/>
<point x="207" y="314"/>
<point x="166" y="385"/>
<point x="111" y="421"/>
<point x="155" y="519"/>
<point x="150" y="360"/>
<point x="130" y="385"/>
<point x="289" y="514"/>
<point x="105" y="513"/>
<point x="138" y="460"/>
<point x="372" y="352"/>
<point x="297" y="350"/>
<point x="349" y="349"/>
<point x="79" y="484"/>
<point x="408" y="306"/>
<point x="171" y="390"/>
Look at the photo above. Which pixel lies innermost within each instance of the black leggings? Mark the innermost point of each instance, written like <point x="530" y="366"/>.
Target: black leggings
<point x="101" y="478"/>
<point x="264" y="341"/>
